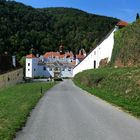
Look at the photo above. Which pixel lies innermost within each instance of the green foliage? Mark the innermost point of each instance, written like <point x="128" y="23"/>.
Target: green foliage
<point x="127" y="45"/>
<point x="23" y="27"/>
<point x="15" y="104"/>
<point x="22" y="61"/>
<point x="119" y="86"/>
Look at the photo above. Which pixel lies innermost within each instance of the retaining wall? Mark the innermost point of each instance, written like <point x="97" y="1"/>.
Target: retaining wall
<point x="11" y="78"/>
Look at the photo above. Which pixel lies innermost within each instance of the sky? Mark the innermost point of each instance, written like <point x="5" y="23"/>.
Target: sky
<point x="122" y="9"/>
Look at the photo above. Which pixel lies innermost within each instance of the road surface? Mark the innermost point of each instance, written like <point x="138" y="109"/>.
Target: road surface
<point x="68" y="113"/>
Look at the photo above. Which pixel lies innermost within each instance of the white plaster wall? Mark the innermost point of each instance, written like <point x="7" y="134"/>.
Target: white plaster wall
<point x="104" y="50"/>
<point x="28" y="68"/>
<point x="66" y="73"/>
<point x="30" y="72"/>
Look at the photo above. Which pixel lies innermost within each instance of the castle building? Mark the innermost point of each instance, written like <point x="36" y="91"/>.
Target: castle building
<point x="52" y="64"/>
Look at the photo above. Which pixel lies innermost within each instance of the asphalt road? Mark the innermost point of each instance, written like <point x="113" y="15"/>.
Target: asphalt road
<point x="68" y="113"/>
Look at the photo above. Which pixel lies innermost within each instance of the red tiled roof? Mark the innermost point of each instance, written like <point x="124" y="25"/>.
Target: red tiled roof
<point x="57" y="55"/>
<point x="61" y="55"/>
<point x="50" y="54"/>
<point x="30" y="56"/>
<point x="122" y="23"/>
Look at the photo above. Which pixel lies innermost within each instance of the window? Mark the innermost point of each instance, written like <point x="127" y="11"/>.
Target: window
<point x="95" y="53"/>
<point x="94" y="64"/>
<point x="28" y="69"/>
<point x="28" y="64"/>
<point x="34" y="69"/>
<point x="8" y="79"/>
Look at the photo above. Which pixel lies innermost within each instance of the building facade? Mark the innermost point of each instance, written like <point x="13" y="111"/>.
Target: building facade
<point x="103" y="51"/>
<point x="52" y="64"/>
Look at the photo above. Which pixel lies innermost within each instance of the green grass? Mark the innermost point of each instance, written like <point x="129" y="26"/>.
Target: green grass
<point x="127" y="45"/>
<point x="15" y="105"/>
<point x="119" y="86"/>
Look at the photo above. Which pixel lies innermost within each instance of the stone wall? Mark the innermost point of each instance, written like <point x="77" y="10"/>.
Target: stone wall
<point x="11" y="78"/>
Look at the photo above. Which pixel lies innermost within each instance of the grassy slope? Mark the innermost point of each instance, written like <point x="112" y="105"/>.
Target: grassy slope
<point x="15" y="104"/>
<point x="127" y="45"/>
<point x="118" y="86"/>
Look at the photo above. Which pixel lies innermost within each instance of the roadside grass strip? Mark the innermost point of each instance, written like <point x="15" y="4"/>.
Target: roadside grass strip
<point x="16" y="102"/>
<point x="119" y="86"/>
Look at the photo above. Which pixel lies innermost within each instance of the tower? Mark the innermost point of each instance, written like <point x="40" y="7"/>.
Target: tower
<point x="31" y="65"/>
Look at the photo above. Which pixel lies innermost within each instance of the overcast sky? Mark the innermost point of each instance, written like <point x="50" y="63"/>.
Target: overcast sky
<point x="122" y="9"/>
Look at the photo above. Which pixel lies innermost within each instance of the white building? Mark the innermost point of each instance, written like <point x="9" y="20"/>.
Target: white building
<point x="52" y="64"/>
<point x="102" y="51"/>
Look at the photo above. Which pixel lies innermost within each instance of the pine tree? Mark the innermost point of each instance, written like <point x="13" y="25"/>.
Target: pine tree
<point x="137" y="16"/>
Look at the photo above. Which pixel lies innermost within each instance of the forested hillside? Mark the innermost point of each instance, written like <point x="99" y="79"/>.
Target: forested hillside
<point x="126" y="50"/>
<point x="23" y="27"/>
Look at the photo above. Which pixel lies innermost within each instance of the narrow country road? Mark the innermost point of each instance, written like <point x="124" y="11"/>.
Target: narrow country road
<point x="68" y="113"/>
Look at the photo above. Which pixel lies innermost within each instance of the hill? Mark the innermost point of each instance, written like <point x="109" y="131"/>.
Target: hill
<point x="23" y="27"/>
<point x="126" y="50"/>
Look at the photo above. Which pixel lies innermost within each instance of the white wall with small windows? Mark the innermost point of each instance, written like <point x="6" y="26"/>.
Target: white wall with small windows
<point x="34" y="69"/>
<point x="102" y="51"/>
<point x="31" y="67"/>
<point x="28" y="67"/>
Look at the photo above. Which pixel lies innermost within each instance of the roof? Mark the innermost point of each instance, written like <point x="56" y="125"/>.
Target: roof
<point x="57" y="55"/>
<point x="122" y="23"/>
<point x="58" y="64"/>
<point x="50" y="54"/>
<point x="30" y="56"/>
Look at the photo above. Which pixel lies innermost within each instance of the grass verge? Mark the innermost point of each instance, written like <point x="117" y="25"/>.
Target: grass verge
<point x="119" y="86"/>
<point x="15" y="105"/>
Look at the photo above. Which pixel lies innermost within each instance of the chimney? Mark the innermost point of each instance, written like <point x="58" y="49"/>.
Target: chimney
<point x="14" y="60"/>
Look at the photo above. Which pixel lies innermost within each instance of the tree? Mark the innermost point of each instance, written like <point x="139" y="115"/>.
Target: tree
<point x="137" y="16"/>
<point x="23" y="27"/>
